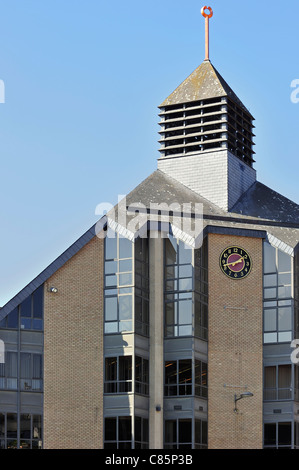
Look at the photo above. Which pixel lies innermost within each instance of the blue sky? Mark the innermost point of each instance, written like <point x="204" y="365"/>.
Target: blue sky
<point x="79" y="125"/>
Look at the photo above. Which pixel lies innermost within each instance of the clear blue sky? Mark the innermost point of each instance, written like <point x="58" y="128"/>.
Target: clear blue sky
<point x="83" y="80"/>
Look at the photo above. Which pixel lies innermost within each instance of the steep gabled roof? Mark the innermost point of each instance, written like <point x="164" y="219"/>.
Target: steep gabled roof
<point x="204" y="83"/>
<point x="261" y="212"/>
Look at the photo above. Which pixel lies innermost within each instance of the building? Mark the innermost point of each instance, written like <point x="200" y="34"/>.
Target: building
<point x="169" y="324"/>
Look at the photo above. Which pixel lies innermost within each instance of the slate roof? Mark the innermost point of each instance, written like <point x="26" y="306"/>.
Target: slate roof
<point x="261" y="212"/>
<point x="204" y="83"/>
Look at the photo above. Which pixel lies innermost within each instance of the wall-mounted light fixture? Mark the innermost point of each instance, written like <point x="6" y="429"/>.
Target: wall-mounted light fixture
<point x="242" y="395"/>
<point x="54" y="290"/>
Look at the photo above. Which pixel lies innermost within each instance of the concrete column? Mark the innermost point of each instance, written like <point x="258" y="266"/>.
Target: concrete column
<point x="156" y="366"/>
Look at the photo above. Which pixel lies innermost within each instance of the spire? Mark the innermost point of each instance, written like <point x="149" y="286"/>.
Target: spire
<point x="207" y="17"/>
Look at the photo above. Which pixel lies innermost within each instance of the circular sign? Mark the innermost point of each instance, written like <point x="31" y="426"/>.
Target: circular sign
<point x="235" y="262"/>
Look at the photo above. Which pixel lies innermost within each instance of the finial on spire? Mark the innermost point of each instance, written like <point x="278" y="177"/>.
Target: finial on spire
<point x="207" y="16"/>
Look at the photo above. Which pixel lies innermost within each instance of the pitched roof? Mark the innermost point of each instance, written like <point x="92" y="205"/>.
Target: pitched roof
<point x="204" y="83"/>
<point x="261" y="212"/>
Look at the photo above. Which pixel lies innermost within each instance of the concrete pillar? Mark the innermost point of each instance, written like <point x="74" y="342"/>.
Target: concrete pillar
<point x="156" y="366"/>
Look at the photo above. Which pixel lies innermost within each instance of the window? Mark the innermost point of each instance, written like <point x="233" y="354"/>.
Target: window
<point x="141" y="375"/>
<point x="201" y="379"/>
<point x="118" y="284"/>
<point x="141" y="433"/>
<point x="278" y="302"/>
<point x="278" y="435"/>
<point x="179" y="378"/>
<point x="178" y="288"/>
<point x="30" y="312"/>
<point x="201" y="291"/>
<point x="118" y="433"/>
<point x="141" y="287"/>
<point x="31" y="372"/>
<point x="179" y="434"/>
<point x="118" y="374"/>
<point x="278" y="382"/>
<point x="9" y="371"/>
<point x="28" y="436"/>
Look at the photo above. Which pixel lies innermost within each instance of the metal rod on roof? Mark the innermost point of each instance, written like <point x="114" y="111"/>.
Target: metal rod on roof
<point x="207" y="17"/>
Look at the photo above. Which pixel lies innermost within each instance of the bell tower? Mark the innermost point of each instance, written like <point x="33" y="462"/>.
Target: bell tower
<point x="207" y="135"/>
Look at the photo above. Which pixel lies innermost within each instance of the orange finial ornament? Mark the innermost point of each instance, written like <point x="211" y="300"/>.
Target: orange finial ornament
<point x="207" y="17"/>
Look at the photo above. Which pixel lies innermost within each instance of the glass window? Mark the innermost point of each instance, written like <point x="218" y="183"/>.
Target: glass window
<point x="277" y="382"/>
<point x="178" y="434"/>
<point x="118" y="374"/>
<point x="141" y="433"/>
<point x="278" y="308"/>
<point x="141" y="375"/>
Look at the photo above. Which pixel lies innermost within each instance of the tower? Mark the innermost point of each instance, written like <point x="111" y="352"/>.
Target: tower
<point x="207" y="136"/>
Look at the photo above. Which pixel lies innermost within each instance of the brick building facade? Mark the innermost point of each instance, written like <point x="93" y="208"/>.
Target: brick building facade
<point x="169" y="323"/>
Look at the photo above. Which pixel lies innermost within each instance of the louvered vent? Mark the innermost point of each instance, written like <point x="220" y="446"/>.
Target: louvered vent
<point x="206" y="125"/>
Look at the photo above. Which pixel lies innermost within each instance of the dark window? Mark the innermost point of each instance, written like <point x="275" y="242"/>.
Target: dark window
<point x="118" y="374"/>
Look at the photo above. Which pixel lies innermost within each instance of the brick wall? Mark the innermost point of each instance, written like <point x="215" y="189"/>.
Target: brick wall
<point x="235" y="349"/>
<point x="218" y="176"/>
<point x="73" y="352"/>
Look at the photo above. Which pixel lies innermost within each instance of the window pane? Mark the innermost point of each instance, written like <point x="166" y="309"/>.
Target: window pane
<point x="170" y="372"/>
<point x="284" y="434"/>
<point x="270" y="320"/>
<point x="171" y="313"/>
<point x="185" y="253"/>
<point x="170" y="431"/>
<point x="38" y="299"/>
<point x="11" y="364"/>
<point x="110" y="267"/>
<point x="137" y="429"/>
<point x="284" y="262"/>
<point x="2" y="425"/>
<point x="125" y="279"/>
<point x="185" y="312"/>
<point x="284" y="279"/>
<point x="37" y="427"/>
<point x="111" y="327"/>
<point x="25" y="432"/>
<point x="111" y="246"/>
<point x="185" y="271"/>
<point x="12" y="319"/>
<point x="26" y="366"/>
<point x="125" y="368"/>
<point x="125" y="248"/>
<point x="270" y="293"/>
<point x="111" y="308"/>
<point x="270" y="377"/>
<point x="270" y="280"/>
<point x="270" y="434"/>
<point x="284" y="376"/>
<point x="284" y="292"/>
<point x="269" y="258"/>
<point x="26" y="307"/>
<point x="185" y="430"/>
<point x="125" y="307"/>
<point x="110" y="280"/>
<point x="284" y="319"/>
<point x="125" y="433"/>
<point x="125" y="265"/>
<point x="110" y="429"/>
<point x="111" y="368"/>
<point x="12" y="425"/>
<point x="37" y="372"/>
